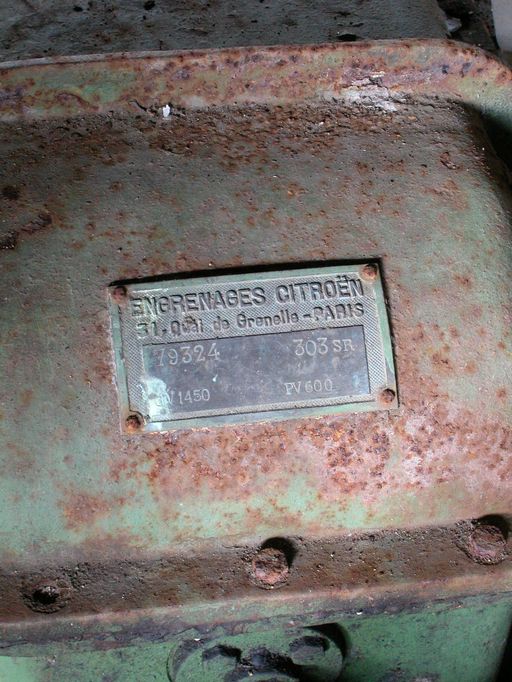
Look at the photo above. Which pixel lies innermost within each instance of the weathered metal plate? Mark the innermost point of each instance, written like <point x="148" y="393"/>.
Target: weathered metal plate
<point x="252" y="347"/>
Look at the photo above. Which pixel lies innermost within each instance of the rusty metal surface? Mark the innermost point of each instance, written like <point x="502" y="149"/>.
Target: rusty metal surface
<point x="40" y="28"/>
<point x="346" y="572"/>
<point x="375" y="74"/>
<point x="108" y="189"/>
<point x="443" y="456"/>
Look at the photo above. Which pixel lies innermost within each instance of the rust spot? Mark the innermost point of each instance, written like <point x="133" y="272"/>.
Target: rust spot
<point x="100" y="371"/>
<point x="471" y="367"/>
<point x="21" y="462"/>
<point x="441" y="360"/>
<point x="26" y="396"/>
<point x="463" y="280"/>
<point x="366" y="460"/>
<point x="47" y="596"/>
<point x="8" y="241"/>
<point x="109" y="573"/>
<point x="447" y="161"/>
<point x="41" y="222"/>
<point x="10" y="192"/>
<point x="184" y="75"/>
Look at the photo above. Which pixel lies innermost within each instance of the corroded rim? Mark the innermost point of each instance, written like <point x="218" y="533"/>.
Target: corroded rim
<point x="68" y="86"/>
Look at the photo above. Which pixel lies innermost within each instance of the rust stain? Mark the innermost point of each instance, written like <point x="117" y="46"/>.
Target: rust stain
<point x="82" y="509"/>
<point x="101" y="370"/>
<point x="26" y="396"/>
<point x="446" y="160"/>
<point x="463" y="280"/>
<point x="471" y="367"/>
<point x="20" y="462"/>
<point x="341" y="458"/>
<point x="441" y="359"/>
<point x="438" y="440"/>
<point x="41" y="222"/>
<point x="450" y="193"/>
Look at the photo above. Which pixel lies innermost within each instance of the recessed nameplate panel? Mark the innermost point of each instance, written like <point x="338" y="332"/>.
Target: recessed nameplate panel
<point x="252" y="347"/>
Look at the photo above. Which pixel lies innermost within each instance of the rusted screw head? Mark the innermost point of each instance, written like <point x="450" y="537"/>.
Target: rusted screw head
<point x="487" y="544"/>
<point x="48" y="596"/>
<point x="387" y="396"/>
<point x="369" y="271"/>
<point x="269" y="568"/>
<point x="134" y="423"/>
<point x="119" y="295"/>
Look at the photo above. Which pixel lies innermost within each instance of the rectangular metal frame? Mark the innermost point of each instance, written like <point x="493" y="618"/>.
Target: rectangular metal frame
<point x="128" y="351"/>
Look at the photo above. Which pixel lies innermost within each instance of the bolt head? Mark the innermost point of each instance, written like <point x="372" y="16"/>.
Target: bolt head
<point x="119" y="295"/>
<point x="47" y="596"/>
<point x="369" y="271"/>
<point x="269" y="568"/>
<point x="487" y="544"/>
<point x="134" y="423"/>
<point x="387" y="396"/>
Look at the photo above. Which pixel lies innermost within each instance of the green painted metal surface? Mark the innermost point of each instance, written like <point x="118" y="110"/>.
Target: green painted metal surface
<point x="462" y="640"/>
<point x="55" y="28"/>
<point x="72" y="315"/>
<point x="442" y="458"/>
<point x="276" y="156"/>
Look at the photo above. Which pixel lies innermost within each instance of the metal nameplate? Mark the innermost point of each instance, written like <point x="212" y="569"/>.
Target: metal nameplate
<point x="273" y="345"/>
